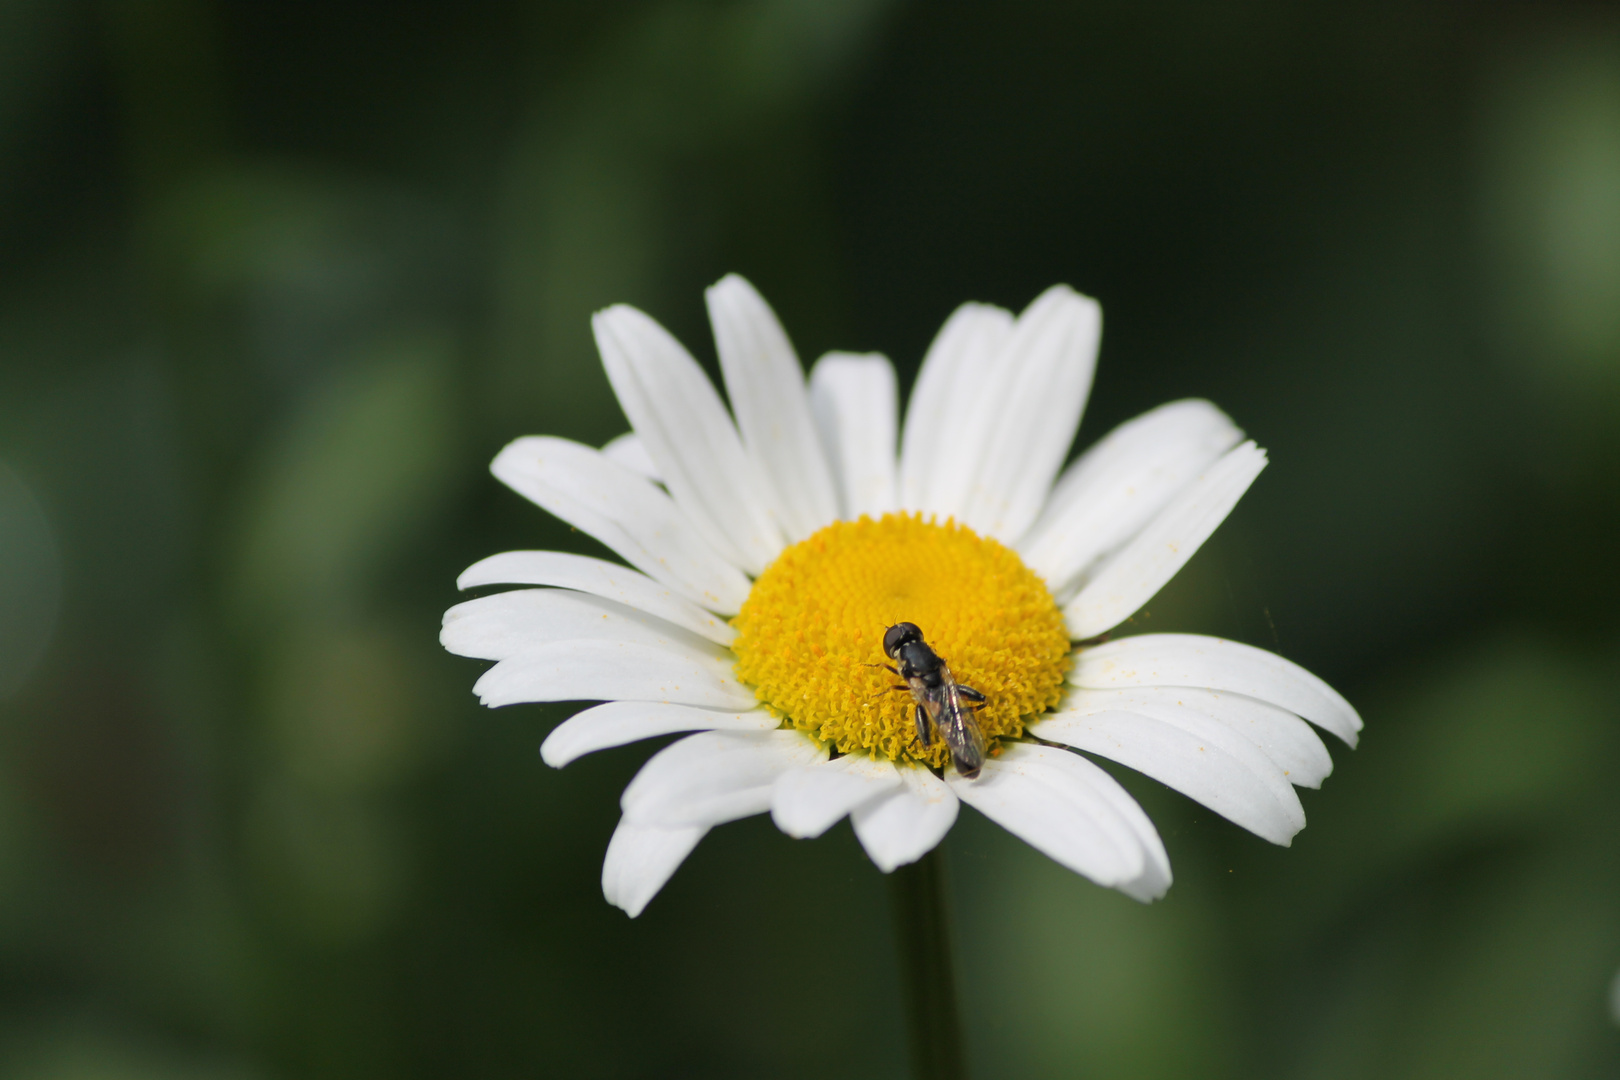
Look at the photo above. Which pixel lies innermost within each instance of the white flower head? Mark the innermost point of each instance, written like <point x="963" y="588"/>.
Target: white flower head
<point x="770" y="553"/>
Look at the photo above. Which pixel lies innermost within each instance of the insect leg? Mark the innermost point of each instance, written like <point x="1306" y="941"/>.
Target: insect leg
<point x="969" y="693"/>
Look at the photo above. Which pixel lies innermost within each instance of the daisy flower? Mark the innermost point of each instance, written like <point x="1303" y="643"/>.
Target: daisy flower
<point x="771" y="545"/>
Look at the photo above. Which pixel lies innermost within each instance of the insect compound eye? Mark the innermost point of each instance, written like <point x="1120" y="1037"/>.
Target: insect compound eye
<point x="900" y="634"/>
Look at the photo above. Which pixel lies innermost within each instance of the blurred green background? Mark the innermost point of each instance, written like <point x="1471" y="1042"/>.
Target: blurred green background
<point x="277" y="280"/>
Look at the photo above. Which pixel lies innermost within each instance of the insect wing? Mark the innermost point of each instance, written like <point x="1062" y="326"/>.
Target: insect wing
<point x="934" y="701"/>
<point x="961" y="733"/>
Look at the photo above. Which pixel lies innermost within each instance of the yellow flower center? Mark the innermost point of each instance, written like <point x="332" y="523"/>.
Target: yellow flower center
<point x="810" y="634"/>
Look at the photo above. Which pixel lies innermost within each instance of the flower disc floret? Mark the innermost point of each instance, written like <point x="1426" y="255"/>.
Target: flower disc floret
<point x="810" y="634"/>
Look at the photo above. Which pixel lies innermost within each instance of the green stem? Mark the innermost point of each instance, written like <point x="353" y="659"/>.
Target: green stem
<point x="922" y="928"/>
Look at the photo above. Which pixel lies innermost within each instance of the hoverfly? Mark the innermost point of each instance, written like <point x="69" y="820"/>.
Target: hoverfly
<point x="938" y="696"/>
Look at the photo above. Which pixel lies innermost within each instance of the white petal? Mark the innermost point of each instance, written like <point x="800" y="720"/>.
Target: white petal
<point x="1140" y="569"/>
<point x="620" y="722"/>
<point x="854" y="402"/>
<point x="715" y="776"/>
<point x="902" y="827"/>
<point x="628" y="450"/>
<point x="1120" y="484"/>
<point x="599" y="578"/>
<point x="626" y="512"/>
<point x="1031" y="406"/>
<point x="1195" y="754"/>
<point x="640" y="859"/>
<point x="594" y="670"/>
<point x="936" y="460"/>
<point x="807" y="801"/>
<point x="767" y="391"/>
<point x="1067" y="807"/>
<point x="1216" y="664"/>
<point x="1154" y="880"/>
<point x="1289" y="742"/>
<point x="509" y="623"/>
<point x="688" y="435"/>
